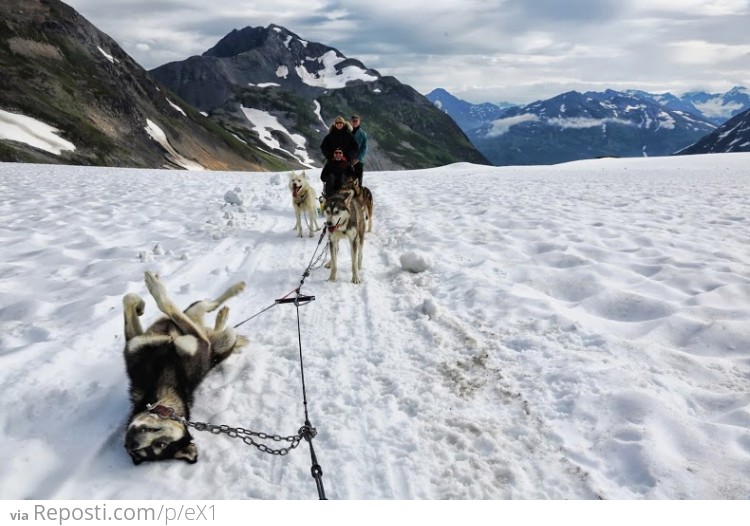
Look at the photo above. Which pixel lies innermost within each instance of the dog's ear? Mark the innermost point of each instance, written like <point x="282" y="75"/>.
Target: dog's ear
<point x="189" y="453"/>
<point x="303" y="175"/>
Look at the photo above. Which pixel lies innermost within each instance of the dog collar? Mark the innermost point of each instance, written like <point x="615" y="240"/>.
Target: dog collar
<point x="162" y="411"/>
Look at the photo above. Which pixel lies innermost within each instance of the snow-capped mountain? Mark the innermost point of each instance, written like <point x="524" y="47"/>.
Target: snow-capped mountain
<point x="267" y="80"/>
<point x="467" y="115"/>
<point x="577" y="125"/>
<point x="732" y="136"/>
<point x="716" y="107"/>
<point x="261" y="57"/>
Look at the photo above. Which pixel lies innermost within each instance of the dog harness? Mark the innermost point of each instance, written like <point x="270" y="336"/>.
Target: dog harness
<point x="299" y="198"/>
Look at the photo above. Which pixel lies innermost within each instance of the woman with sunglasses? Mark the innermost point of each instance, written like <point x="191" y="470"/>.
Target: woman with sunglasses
<point x="340" y="136"/>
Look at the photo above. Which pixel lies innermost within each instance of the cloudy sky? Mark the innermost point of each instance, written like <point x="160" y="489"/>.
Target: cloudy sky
<point x="479" y="50"/>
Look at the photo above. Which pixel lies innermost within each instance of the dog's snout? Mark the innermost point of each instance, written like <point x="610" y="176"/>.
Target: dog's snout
<point x="131" y="443"/>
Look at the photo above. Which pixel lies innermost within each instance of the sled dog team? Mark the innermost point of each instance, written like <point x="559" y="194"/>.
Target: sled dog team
<point x="166" y="362"/>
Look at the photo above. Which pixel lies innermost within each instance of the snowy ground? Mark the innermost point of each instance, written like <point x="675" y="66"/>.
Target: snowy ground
<point x="579" y="331"/>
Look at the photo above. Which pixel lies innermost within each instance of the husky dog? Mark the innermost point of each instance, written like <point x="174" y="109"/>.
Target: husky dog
<point x="344" y="217"/>
<point x="364" y="196"/>
<point x="165" y="364"/>
<point x="304" y="201"/>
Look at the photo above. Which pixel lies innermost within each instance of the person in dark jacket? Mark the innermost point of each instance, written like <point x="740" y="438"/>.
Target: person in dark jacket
<point x="340" y="136"/>
<point x="361" y="137"/>
<point x="335" y="172"/>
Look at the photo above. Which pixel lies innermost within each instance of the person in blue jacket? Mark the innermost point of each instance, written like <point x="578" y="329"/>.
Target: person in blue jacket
<point x="361" y="137"/>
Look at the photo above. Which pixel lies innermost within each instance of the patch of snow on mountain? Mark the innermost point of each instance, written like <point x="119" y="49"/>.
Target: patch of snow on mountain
<point x="728" y="132"/>
<point x="264" y="124"/>
<point x="176" y="107"/>
<point x="20" y="128"/>
<point x="282" y="72"/>
<point x="666" y="121"/>
<point x="329" y="77"/>
<point x="159" y="136"/>
<point x="107" y="55"/>
<point x="320" y="116"/>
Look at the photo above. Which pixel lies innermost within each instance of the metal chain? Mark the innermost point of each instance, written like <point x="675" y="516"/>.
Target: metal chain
<point x="247" y="436"/>
<point x="317" y="262"/>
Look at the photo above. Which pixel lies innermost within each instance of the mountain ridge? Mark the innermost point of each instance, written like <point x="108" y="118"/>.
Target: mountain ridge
<point x="731" y="137"/>
<point x="60" y="70"/>
<point x="304" y="85"/>
<point x="574" y="125"/>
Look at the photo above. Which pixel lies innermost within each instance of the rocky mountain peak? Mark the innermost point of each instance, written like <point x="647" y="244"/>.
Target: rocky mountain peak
<point x="256" y="76"/>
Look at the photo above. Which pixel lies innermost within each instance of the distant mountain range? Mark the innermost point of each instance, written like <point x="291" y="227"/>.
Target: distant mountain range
<point x="577" y="125"/>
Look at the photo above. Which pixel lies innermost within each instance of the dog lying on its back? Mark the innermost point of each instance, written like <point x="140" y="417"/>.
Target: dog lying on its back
<point x="165" y="364"/>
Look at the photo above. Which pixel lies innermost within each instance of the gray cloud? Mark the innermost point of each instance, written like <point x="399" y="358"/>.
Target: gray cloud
<point x="481" y="50"/>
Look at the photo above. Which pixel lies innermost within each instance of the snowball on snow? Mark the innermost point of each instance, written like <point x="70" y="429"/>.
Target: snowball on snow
<point x="416" y="261"/>
<point x="276" y="179"/>
<point x="233" y="197"/>
<point x="429" y="307"/>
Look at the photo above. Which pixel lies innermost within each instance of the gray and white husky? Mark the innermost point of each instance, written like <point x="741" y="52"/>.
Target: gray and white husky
<point x="304" y="201"/>
<point x="345" y="219"/>
<point x="165" y="364"/>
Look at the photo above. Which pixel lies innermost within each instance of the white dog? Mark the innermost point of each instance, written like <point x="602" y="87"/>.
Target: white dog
<point x="304" y="201"/>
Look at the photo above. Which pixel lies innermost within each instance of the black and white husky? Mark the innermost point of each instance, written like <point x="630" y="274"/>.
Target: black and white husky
<point x="304" y="201"/>
<point x="165" y="364"/>
<point x="345" y="219"/>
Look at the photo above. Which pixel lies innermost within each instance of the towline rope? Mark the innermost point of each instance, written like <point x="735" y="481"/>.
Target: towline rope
<point x="307" y="431"/>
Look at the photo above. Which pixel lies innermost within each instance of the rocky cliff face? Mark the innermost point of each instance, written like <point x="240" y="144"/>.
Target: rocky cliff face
<point x="59" y="70"/>
<point x="269" y="82"/>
